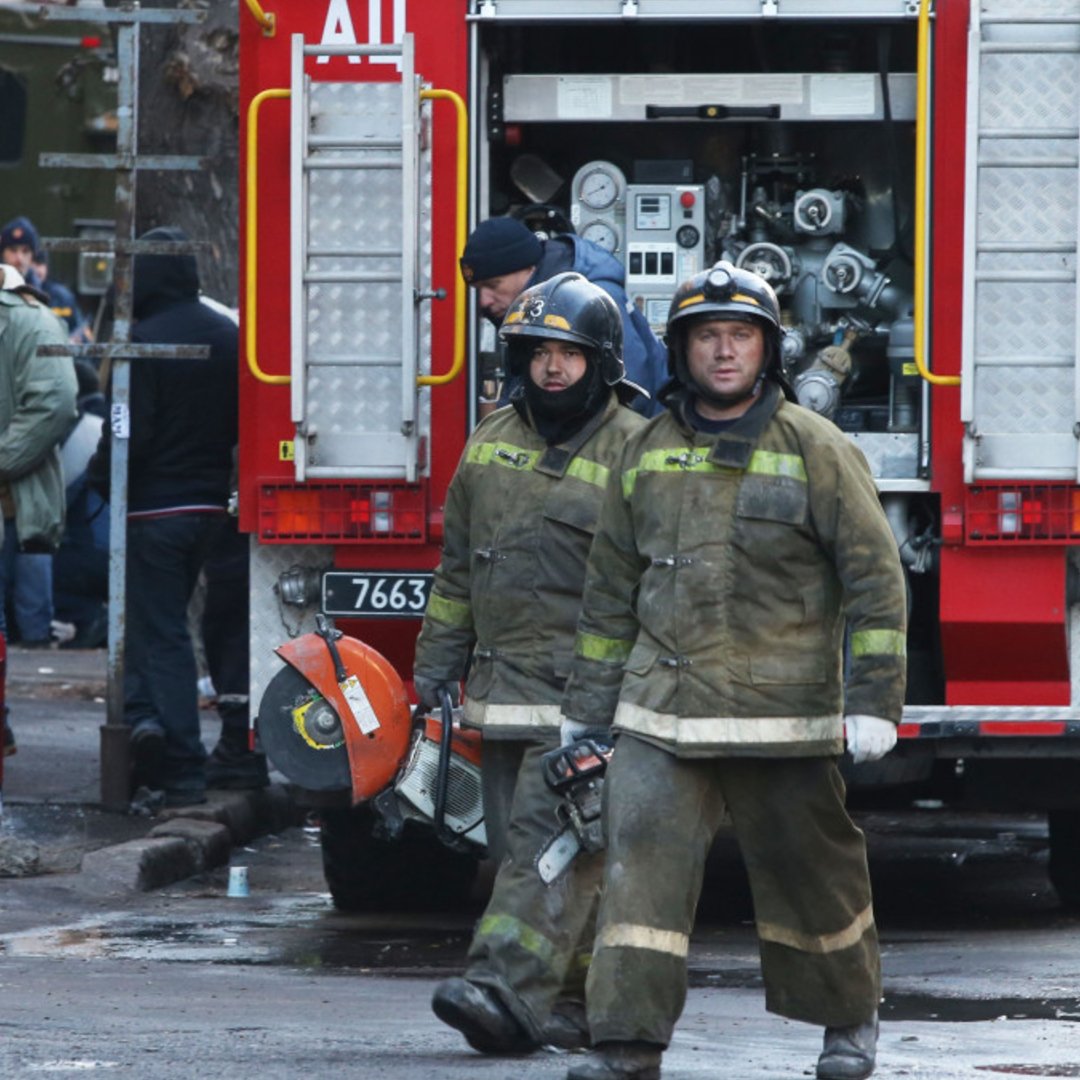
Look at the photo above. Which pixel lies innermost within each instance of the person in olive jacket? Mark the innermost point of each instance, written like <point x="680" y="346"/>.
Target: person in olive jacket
<point x="739" y="536"/>
<point x="520" y="515"/>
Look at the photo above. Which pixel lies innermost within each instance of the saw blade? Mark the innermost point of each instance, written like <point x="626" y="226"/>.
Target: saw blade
<point x="301" y="734"/>
<point x="557" y="855"/>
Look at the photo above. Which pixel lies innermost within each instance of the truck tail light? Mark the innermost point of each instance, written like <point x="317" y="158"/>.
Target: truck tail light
<point x="342" y="513"/>
<point x="1022" y="513"/>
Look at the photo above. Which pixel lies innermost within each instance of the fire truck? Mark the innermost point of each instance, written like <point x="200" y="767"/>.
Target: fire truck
<point x="905" y="174"/>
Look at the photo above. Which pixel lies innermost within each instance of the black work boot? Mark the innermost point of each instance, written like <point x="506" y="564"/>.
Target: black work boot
<point x="148" y="757"/>
<point x="481" y="1017"/>
<point x="566" y="1028"/>
<point x="849" y="1053"/>
<point x="619" y="1061"/>
<point x="236" y="768"/>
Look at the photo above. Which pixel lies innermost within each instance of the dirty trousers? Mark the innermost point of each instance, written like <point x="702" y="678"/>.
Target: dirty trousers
<point x="806" y="863"/>
<point x="533" y="942"/>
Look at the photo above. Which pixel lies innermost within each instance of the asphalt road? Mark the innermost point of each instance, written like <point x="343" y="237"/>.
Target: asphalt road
<point x="980" y="974"/>
<point x="982" y="965"/>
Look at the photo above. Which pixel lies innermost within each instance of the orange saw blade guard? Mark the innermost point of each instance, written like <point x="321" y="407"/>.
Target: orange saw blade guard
<point x="370" y="702"/>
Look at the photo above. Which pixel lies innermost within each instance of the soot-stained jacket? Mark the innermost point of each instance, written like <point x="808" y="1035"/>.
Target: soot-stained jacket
<point x="520" y="517"/>
<point x="722" y="572"/>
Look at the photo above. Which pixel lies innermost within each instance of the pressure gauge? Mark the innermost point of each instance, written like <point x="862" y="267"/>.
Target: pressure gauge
<point x="599" y="185"/>
<point x="602" y="234"/>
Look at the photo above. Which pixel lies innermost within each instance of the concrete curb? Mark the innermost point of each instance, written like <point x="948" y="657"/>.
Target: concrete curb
<point x="186" y="841"/>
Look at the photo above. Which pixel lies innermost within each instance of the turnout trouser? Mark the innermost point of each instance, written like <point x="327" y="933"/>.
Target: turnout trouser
<point x="532" y="943"/>
<point x="806" y="863"/>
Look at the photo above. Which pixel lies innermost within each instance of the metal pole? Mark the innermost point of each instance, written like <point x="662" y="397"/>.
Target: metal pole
<point x="115" y="734"/>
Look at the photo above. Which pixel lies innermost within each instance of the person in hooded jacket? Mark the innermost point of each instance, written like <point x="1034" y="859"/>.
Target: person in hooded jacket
<point x="741" y="535"/>
<point x="503" y="256"/>
<point x="520" y="513"/>
<point x="183" y="427"/>
<point x="37" y="408"/>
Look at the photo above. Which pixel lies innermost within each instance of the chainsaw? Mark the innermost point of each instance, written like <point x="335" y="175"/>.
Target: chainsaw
<point x="575" y="772"/>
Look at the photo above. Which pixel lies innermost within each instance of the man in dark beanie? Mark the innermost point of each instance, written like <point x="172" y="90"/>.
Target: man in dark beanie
<point x="503" y="257"/>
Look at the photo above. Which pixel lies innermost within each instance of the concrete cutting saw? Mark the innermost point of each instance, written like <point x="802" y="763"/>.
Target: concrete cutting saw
<point x="337" y="718"/>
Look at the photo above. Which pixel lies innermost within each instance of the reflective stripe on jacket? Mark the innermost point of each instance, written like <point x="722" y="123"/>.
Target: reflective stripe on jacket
<point x="718" y="584"/>
<point x="519" y="521"/>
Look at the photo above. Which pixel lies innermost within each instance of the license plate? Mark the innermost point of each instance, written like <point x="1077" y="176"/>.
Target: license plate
<point x="383" y="595"/>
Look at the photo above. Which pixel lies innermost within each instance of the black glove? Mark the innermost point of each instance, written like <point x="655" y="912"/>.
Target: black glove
<point x="429" y="692"/>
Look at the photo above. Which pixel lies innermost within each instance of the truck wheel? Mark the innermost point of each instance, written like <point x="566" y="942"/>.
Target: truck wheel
<point x="414" y="873"/>
<point x="1065" y="855"/>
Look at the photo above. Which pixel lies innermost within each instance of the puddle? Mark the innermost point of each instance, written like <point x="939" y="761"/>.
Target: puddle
<point x="298" y="932"/>
<point x="1030" y="1070"/>
<point x="972" y="1010"/>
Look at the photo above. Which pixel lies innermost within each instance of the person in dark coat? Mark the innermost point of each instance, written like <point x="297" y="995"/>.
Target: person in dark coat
<point x="503" y="257"/>
<point x="183" y="426"/>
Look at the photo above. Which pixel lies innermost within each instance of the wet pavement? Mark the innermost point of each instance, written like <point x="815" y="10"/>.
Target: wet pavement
<point x="981" y="974"/>
<point x="982" y="963"/>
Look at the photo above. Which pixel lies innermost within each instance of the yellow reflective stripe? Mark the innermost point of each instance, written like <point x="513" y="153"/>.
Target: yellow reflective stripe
<point x="605" y="649"/>
<point x="556" y="320"/>
<point x="670" y="459"/>
<point x="691" y="459"/>
<point x="878" y="643"/>
<point x="633" y="936"/>
<point x="500" y="453"/>
<point x="819" y="943"/>
<point x="450" y="612"/>
<point x="770" y="463"/>
<point x="589" y="471"/>
<point x="507" y="928"/>
<point x="697" y="298"/>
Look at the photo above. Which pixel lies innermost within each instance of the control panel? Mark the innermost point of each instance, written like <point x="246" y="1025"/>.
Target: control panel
<point x="665" y="244"/>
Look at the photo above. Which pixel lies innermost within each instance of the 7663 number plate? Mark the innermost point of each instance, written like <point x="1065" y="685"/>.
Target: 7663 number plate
<point x="360" y="594"/>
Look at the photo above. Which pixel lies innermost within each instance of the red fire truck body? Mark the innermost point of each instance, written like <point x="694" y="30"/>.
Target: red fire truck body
<point x="903" y="171"/>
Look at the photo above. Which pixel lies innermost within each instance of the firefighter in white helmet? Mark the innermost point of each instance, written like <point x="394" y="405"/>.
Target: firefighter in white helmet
<point x="739" y="534"/>
<point x="520" y="514"/>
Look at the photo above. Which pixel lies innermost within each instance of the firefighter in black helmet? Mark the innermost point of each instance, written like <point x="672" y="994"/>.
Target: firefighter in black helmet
<point x="520" y="514"/>
<point x="726" y="292"/>
<point x="741" y="533"/>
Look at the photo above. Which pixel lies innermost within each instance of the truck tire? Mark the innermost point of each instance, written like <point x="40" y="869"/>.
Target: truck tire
<point x="368" y="874"/>
<point x="1065" y="855"/>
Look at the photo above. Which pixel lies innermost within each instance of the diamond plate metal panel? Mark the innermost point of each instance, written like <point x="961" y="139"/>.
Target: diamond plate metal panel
<point x="1036" y="205"/>
<point x="890" y="455"/>
<point x="273" y="623"/>
<point x="1025" y="319"/>
<point x="1019" y="392"/>
<point x="1017" y="9"/>
<point x="355" y="228"/>
<point x="350" y="208"/>
<point x="1024" y="400"/>
<point x="1029" y="91"/>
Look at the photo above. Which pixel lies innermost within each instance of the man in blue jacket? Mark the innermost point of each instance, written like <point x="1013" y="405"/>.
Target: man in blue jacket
<point x="503" y="257"/>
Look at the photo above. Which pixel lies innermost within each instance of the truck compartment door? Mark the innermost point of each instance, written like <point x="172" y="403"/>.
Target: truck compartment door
<point x="357" y="174"/>
<point x="1019" y="377"/>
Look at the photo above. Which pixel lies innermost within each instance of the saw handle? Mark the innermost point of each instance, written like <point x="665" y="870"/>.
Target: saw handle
<point x="326" y="631"/>
<point x="442" y="778"/>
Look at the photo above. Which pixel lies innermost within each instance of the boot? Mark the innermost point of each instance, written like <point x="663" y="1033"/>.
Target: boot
<point x="481" y="1017"/>
<point x="566" y="1028"/>
<point x="849" y="1053"/>
<point x="236" y="768"/>
<point x="148" y="757"/>
<point x="619" y="1061"/>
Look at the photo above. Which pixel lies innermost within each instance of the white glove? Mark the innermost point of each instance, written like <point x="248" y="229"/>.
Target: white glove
<point x="571" y="730"/>
<point x="868" y="737"/>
